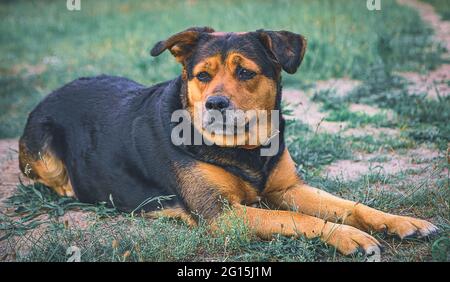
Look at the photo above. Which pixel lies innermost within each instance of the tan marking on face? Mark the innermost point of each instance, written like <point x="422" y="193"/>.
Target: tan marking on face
<point x="198" y="90"/>
<point x="257" y="93"/>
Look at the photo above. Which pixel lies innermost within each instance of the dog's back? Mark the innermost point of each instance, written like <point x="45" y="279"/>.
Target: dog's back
<point x="81" y="131"/>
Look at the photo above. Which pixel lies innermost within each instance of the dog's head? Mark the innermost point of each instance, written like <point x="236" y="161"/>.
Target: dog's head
<point x="226" y="72"/>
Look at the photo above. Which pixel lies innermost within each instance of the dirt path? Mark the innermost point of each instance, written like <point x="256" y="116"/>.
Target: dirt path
<point x="306" y="111"/>
<point x="434" y="82"/>
<point x="415" y="161"/>
<point x="428" y="14"/>
<point x="309" y="112"/>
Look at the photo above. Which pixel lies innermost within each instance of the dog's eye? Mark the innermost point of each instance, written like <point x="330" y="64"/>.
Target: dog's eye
<point x="204" y="76"/>
<point x="244" y="74"/>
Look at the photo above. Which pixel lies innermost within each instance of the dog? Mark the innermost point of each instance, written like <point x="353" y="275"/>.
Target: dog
<point x="108" y="139"/>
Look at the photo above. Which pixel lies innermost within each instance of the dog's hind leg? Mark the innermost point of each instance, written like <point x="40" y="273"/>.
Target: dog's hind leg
<point x="46" y="168"/>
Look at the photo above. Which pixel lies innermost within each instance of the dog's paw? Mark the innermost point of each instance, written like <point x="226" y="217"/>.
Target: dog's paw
<point x="408" y="227"/>
<point x="349" y="240"/>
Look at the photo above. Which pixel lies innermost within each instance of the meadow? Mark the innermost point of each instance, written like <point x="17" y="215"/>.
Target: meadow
<point x="43" y="46"/>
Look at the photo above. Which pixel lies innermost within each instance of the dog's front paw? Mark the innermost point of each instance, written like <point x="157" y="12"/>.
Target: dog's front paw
<point x="401" y="226"/>
<point x="349" y="240"/>
<point x="407" y="227"/>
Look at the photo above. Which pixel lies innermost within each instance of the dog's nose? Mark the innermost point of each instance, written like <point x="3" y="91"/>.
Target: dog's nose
<point x="217" y="103"/>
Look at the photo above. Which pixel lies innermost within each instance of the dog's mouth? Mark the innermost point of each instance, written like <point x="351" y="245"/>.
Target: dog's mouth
<point x="233" y="128"/>
<point x="227" y="125"/>
<point x="227" y="129"/>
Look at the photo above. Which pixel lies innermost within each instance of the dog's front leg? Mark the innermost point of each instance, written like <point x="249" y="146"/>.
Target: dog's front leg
<point x="265" y="223"/>
<point x="286" y="190"/>
<point x="207" y="188"/>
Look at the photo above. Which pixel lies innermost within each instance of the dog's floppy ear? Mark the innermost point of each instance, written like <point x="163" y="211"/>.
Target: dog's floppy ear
<point x="181" y="44"/>
<point x="288" y="48"/>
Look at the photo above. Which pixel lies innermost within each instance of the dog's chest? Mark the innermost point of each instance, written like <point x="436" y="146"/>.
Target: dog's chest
<point x="248" y="165"/>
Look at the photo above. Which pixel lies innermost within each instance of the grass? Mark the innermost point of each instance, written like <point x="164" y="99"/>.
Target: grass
<point x="32" y="201"/>
<point x="115" y="236"/>
<point x="424" y="194"/>
<point x="163" y="240"/>
<point x="310" y="149"/>
<point x="44" y="46"/>
<point x="421" y="118"/>
<point x="123" y="237"/>
<point x="338" y="108"/>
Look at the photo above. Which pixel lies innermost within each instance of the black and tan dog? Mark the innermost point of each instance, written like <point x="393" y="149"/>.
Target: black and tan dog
<point x="107" y="137"/>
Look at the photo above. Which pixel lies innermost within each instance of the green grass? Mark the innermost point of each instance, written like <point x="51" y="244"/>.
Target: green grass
<point x="370" y="144"/>
<point x="111" y="235"/>
<point x="123" y="237"/>
<point x="115" y="37"/>
<point x="311" y="149"/>
<point x="424" y="193"/>
<point x="338" y="110"/>
<point x="32" y="201"/>
<point x="421" y="118"/>
<point x="163" y="240"/>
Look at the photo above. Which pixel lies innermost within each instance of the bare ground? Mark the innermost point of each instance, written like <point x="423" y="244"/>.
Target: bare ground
<point x="9" y="168"/>
<point x="434" y="82"/>
<point x="386" y="163"/>
<point x="428" y="14"/>
<point x="308" y="112"/>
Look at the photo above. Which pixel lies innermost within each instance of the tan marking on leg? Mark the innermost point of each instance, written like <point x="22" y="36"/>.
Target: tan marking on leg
<point x="25" y="161"/>
<point x="46" y="169"/>
<point x="177" y="213"/>
<point x="205" y="189"/>
<point x="266" y="223"/>
<point x="285" y="190"/>
<point x="231" y="187"/>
